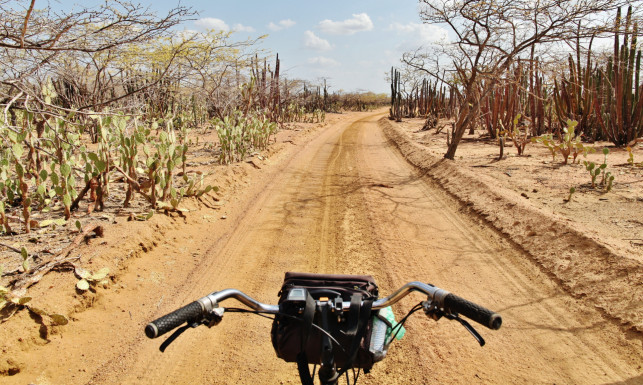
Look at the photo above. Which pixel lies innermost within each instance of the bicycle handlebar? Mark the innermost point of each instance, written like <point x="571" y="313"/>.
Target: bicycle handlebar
<point x="197" y="311"/>
<point x="189" y="313"/>
<point x="483" y="316"/>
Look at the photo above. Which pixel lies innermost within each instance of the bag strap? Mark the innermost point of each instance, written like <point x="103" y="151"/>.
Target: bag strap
<point x="304" y="371"/>
<point x="307" y="318"/>
<point x="353" y="315"/>
<point x="363" y="319"/>
<point x="360" y="313"/>
<point x="302" y="361"/>
<point x="383" y="319"/>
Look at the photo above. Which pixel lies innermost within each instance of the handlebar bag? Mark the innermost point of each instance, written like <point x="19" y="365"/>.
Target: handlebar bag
<point x="291" y="333"/>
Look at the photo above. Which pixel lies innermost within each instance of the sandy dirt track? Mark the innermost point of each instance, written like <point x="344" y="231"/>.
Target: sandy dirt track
<point x="344" y="202"/>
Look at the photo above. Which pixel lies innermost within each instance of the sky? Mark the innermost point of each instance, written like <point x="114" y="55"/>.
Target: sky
<point x="351" y="43"/>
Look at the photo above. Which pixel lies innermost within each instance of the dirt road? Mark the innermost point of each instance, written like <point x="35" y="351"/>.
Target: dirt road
<point x="345" y="202"/>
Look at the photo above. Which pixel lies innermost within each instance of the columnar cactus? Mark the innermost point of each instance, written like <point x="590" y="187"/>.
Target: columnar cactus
<point x="618" y="101"/>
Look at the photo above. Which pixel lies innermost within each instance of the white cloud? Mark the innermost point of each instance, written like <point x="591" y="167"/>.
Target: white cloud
<point x="287" y="23"/>
<point x="282" y="24"/>
<point x="242" y="28"/>
<point x="315" y="42"/>
<point x="422" y="33"/>
<point x="186" y="34"/>
<point x="323" y="61"/>
<point x="212" y="23"/>
<point x="359" y="22"/>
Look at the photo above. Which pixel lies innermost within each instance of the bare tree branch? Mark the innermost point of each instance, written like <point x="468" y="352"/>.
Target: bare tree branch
<point x="490" y="35"/>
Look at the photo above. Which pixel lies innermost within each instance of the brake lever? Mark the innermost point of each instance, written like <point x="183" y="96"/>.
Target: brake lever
<point x="176" y="335"/>
<point x="467" y="326"/>
<point x="435" y="313"/>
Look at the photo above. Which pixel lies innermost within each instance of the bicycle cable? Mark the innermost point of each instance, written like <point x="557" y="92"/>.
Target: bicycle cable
<point x="396" y="329"/>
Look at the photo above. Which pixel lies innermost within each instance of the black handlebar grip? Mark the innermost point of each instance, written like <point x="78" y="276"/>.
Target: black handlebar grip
<point x="192" y="312"/>
<point x="455" y="304"/>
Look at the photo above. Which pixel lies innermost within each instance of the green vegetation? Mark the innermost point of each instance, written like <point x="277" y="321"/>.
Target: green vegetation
<point x="570" y="144"/>
<point x="594" y="171"/>
<point x="239" y="135"/>
<point x="87" y="279"/>
<point x="572" y="190"/>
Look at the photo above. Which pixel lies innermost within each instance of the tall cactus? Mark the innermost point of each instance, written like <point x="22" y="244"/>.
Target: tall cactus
<point x="618" y="101"/>
<point x="538" y="103"/>
<point x="396" y="96"/>
<point x="574" y="98"/>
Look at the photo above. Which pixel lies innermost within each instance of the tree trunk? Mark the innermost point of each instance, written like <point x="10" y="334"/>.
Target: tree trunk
<point x="465" y="119"/>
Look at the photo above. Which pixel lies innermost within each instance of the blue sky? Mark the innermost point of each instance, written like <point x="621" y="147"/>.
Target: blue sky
<point x="352" y="43"/>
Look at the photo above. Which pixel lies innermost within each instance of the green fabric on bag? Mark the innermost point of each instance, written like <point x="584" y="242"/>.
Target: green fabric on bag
<point x="387" y="313"/>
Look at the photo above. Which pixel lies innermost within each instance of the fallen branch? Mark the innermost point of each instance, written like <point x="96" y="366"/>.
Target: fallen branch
<point x="90" y="228"/>
<point x="60" y="259"/>
<point x="253" y="164"/>
<point x="11" y="248"/>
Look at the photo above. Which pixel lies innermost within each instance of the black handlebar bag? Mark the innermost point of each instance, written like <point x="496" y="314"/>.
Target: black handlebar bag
<point x="293" y="332"/>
